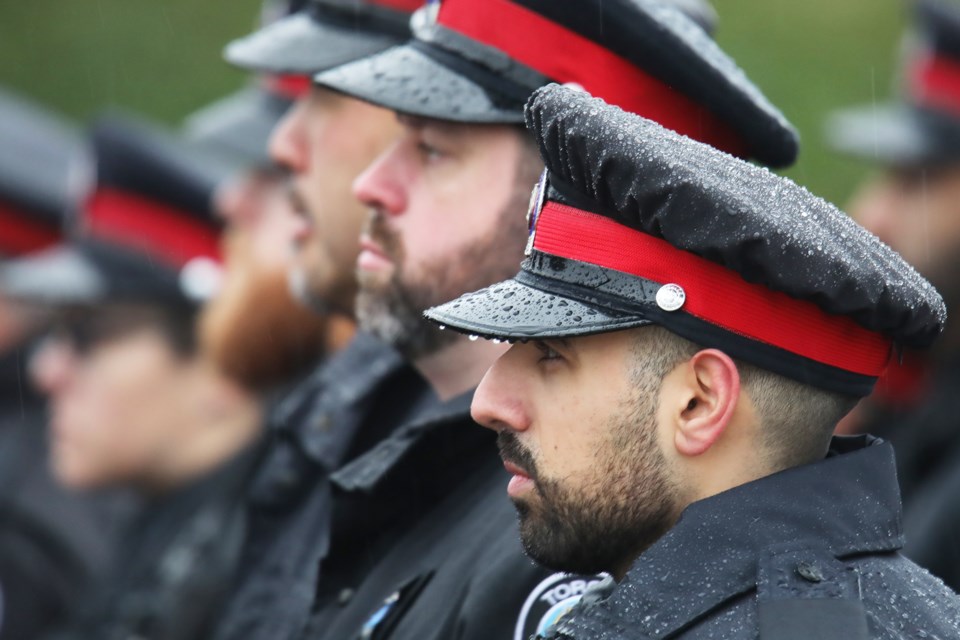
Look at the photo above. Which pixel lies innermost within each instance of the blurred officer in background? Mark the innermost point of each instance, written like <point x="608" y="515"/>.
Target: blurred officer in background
<point x="914" y="206"/>
<point x="674" y="428"/>
<point x="53" y="543"/>
<point x="133" y="404"/>
<point x="421" y="546"/>
<point x="254" y="328"/>
<point x="312" y="430"/>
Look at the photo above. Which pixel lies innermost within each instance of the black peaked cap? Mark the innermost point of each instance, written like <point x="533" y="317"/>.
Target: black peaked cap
<point x="908" y="131"/>
<point x="136" y="156"/>
<point x="764" y="227"/>
<point x="439" y="74"/>
<point x="145" y="162"/>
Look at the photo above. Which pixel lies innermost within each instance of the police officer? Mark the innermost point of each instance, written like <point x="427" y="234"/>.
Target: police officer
<point x="421" y="547"/>
<point x="254" y="328"/>
<point x="133" y="405"/>
<point x="314" y="427"/>
<point x="688" y="330"/>
<point x="914" y="206"/>
<point x="52" y="542"/>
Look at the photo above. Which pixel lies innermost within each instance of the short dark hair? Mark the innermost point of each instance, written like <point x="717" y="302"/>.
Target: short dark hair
<point x="796" y="419"/>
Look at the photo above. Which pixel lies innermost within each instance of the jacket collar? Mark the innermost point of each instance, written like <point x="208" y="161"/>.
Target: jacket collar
<point x="313" y="413"/>
<point x="437" y="428"/>
<point x="848" y="503"/>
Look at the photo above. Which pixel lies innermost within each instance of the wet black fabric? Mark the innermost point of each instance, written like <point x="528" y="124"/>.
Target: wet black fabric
<point x="425" y="542"/>
<point x="347" y="404"/>
<point x="810" y="535"/>
<point x="174" y="566"/>
<point x="53" y="544"/>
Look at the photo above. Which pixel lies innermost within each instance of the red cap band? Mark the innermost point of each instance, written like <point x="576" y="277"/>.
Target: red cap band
<point x="714" y="293"/>
<point x="19" y="234"/>
<point x="935" y="83"/>
<point x="287" y="86"/>
<point x="133" y="221"/>
<point x="566" y="56"/>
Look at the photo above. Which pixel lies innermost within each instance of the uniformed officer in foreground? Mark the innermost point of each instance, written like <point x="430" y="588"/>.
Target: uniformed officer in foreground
<point x="53" y="543"/>
<point x="133" y="404"/>
<point x="688" y="330"/>
<point x="423" y="545"/>
<point x="913" y="204"/>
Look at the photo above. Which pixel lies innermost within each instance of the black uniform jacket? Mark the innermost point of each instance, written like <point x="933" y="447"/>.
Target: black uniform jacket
<point x="811" y="552"/>
<point x="174" y="565"/>
<point x="425" y="542"/>
<point x="53" y="543"/>
<point x="343" y="407"/>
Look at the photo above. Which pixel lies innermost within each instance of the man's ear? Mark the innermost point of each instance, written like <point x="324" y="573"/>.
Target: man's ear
<point x="710" y="391"/>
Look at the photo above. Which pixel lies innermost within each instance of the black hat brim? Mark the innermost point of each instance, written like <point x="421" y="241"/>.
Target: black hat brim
<point x="302" y="45"/>
<point x="61" y="276"/>
<point x="238" y="125"/>
<point x="92" y="272"/>
<point x="409" y="80"/>
<point x="893" y="135"/>
<point x="513" y="310"/>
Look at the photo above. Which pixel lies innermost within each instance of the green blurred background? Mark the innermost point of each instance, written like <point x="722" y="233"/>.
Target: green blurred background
<point x="162" y="57"/>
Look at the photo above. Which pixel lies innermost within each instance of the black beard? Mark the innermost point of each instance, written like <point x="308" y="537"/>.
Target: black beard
<point x="604" y="525"/>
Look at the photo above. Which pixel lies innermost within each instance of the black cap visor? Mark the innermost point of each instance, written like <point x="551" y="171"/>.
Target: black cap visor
<point x="90" y="272"/>
<point x="423" y="80"/>
<point x="239" y="125"/>
<point x="58" y="277"/>
<point x="562" y="299"/>
<point x="896" y="135"/>
<point x="303" y="45"/>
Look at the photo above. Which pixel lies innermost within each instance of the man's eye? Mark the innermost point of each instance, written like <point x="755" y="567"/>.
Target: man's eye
<point x="428" y="151"/>
<point x="547" y="352"/>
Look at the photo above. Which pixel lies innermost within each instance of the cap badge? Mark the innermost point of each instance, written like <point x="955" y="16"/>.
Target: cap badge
<point x="537" y="197"/>
<point x="671" y="297"/>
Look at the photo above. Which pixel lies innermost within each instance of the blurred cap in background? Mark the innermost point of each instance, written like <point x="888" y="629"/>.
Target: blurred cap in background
<point x="142" y="229"/>
<point x="922" y="125"/>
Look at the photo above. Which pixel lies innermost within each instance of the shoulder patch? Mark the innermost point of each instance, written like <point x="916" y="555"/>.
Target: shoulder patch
<point x="549" y="601"/>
